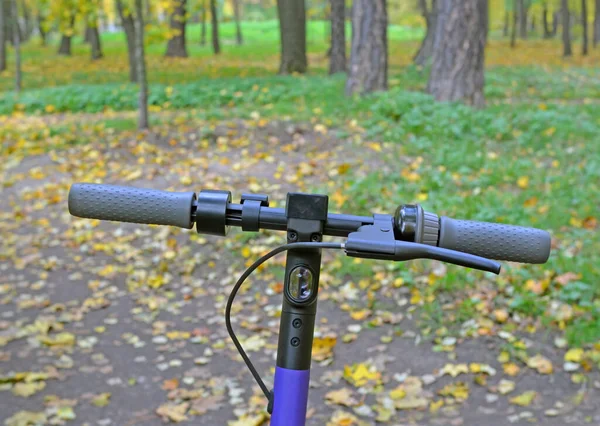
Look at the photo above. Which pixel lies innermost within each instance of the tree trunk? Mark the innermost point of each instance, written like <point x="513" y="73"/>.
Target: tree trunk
<point x="522" y="20"/>
<point x="215" y="27"/>
<point x="327" y="25"/>
<point x="457" y="72"/>
<point x="41" y="30"/>
<point x="566" y="24"/>
<point x="337" y="51"/>
<point x="484" y="11"/>
<point x="545" y="24"/>
<point x="128" y="24"/>
<point x="96" y="47"/>
<point x="506" y="24"/>
<point x="426" y="50"/>
<point x="3" y="24"/>
<point x="17" y="44"/>
<point x="203" y="26"/>
<point x="87" y="37"/>
<point x="28" y="23"/>
<point x="65" y="40"/>
<point x="10" y="27"/>
<point x="555" y="20"/>
<point x="292" y="31"/>
<point x="596" y="23"/>
<point x="141" y="65"/>
<point x="513" y="33"/>
<point x="8" y="22"/>
<point x="369" y="54"/>
<point x="176" y="45"/>
<point x="65" y="45"/>
<point x="584" y="24"/>
<point x="238" y="28"/>
<point x="532" y="24"/>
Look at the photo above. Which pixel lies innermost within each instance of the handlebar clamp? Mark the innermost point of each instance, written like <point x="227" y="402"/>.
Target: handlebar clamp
<point x="251" y="204"/>
<point x="211" y="212"/>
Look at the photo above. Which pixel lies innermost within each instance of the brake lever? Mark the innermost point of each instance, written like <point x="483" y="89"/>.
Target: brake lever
<point x="408" y="251"/>
<point x="377" y="241"/>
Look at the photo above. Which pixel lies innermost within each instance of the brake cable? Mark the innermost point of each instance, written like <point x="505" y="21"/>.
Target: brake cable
<point x="240" y="281"/>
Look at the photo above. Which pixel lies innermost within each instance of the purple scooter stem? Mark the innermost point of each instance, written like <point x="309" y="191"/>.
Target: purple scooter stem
<point x="291" y="397"/>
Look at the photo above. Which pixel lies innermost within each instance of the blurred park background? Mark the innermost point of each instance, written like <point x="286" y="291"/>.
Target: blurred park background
<point x="484" y="110"/>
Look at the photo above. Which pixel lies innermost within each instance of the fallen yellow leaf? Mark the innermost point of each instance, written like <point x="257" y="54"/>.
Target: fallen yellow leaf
<point x="360" y="315"/>
<point x="375" y="146"/>
<point x="25" y="389"/>
<point x="341" y="397"/>
<point x="500" y="315"/>
<point x="173" y="412"/>
<point x="398" y="393"/>
<point x="540" y="363"/>
<point x="458" y="390"/>
<point x="455" y="369"/>
<point x="574" y="355"/>
<point x="435" y="406"/>
<point x="322" y="348"/>
<point x="61" y="339"/>
<point x="361" y="374"/>
<point x="511" y="369"/>
<point x="506" y="386"/>
<point x="523" y="182"/>
<point x="525" y="399"/>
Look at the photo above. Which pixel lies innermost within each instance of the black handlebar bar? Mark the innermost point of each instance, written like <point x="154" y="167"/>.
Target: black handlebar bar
<point x="155" y="207"/>
<point x="213" y="212"/>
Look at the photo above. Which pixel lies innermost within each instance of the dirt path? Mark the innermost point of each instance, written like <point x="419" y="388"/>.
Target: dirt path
<point x="118" y="324"/>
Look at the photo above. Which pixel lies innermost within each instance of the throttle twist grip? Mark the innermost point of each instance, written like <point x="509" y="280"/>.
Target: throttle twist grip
<point x="495" y="240"/>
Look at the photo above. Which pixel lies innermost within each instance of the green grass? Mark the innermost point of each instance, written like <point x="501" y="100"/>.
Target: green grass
<point x="301" y="95"/>
<point x="472" y="163"/>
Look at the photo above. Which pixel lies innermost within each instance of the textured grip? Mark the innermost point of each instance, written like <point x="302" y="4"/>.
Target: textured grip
<point x="495" y="240"/>
<point x="127" y="204"/>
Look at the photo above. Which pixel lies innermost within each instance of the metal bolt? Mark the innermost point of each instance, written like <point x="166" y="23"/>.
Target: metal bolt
<point x="295" y="342"/>
<point x="315" y="238"/>
<point x="297" y="323"/>
<point x="292" y="236"/>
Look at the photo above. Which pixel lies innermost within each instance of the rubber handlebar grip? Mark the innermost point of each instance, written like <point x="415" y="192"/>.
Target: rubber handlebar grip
<point x="128" y="204"/>
<point x="495" y="240"/>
